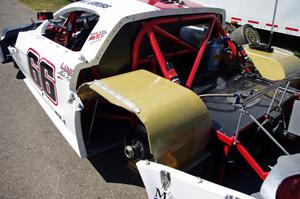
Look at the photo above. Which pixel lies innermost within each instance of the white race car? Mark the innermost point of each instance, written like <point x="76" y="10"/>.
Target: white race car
<point x="163" y="79"/>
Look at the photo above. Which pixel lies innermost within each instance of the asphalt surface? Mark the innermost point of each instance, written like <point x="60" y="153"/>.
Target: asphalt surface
<point x="35" y="159"/>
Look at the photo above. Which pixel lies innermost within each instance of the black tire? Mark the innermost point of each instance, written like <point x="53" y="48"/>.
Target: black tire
<point x="229" y="28"/>
<point x="245" y="34"/>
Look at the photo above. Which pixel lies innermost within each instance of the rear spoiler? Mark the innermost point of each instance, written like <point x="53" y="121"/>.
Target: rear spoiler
<point x="9" y="37"/>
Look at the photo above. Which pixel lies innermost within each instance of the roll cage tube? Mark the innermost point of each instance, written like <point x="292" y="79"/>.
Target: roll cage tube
<point x="150" y="28"/>
<point x="65" y="30"/>
<point x="70" y="22"/>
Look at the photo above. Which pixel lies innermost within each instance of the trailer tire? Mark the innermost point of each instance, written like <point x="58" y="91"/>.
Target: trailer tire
<point x="229" y="28"/>
<point x="245" y="34"/>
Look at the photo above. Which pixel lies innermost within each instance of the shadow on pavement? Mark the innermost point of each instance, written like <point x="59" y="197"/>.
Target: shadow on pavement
<point x="112" y="166"/>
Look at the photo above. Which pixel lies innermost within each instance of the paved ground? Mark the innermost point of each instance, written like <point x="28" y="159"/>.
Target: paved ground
<point x="35" y="160"/>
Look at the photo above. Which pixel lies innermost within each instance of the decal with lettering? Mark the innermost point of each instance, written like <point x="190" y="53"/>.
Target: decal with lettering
<point x="66" y="72"/>
<point x="161" y="194"/>
<point x="96" y="36"/>
<point x="96" y="3"/>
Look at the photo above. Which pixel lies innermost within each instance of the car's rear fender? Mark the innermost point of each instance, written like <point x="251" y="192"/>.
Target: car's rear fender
<point x="177" y="123"/>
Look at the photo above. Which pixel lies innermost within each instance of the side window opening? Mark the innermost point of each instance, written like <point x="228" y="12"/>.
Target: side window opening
<point x="72" y="29"/>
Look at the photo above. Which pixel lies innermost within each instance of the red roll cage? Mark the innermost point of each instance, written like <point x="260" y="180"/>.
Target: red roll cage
<point x="151" y="28"/>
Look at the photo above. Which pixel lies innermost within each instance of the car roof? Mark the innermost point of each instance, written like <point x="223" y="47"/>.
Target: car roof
<point x="113" y="7"/>
<point x="129" y="7"/>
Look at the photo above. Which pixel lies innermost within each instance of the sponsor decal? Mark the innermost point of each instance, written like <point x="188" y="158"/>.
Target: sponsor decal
<point x="67" y="69"/>
<point x="96" y="36"/>
<point x="66" y="72"/>
<point x="161" y="194"/>
<point x="98" y="4"/>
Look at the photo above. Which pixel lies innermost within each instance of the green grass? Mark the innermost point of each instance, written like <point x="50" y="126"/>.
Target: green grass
<point x="44" y="5"/>
<point x="297" y="53"/>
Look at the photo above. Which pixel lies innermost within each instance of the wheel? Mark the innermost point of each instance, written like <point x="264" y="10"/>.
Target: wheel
<point x="245" y="34"/>
<point x="229" y="28"/>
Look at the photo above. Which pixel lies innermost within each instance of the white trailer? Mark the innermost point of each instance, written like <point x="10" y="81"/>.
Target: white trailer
<point x="260" y="13"/>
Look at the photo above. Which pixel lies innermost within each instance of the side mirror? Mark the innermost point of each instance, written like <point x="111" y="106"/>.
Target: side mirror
<point x="44" y="15"/>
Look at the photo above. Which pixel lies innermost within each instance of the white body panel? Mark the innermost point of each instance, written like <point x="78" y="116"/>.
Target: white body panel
<point x="182" y="185"/>
<point x="68" y="126"/>
<point x="61" y="113"/>
<point x="64" y="114"/>
<point x="260" y="13"/>
<point x="66" y="64"/>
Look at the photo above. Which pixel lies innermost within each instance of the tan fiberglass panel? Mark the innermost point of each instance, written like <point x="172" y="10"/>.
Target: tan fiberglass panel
<point x="177" y="121"/>
<point x="276" y="65"/>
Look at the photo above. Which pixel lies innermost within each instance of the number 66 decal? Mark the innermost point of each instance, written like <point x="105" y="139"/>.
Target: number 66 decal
<point x="43" y="74"/>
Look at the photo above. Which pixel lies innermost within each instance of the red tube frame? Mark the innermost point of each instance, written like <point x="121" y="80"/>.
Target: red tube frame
<point x="229" y="142"/>
<point x="251" y="161"/>
<point x="150" y="27"/>
<point x="200" y="55"/>
<point x="159" y="56"/>
<point x="173" y="38"/>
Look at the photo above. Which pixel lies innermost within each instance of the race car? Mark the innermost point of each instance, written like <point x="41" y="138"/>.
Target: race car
<point x="163" y="79"/>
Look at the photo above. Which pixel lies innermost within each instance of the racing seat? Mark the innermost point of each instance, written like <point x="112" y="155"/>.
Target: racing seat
<point x="194" y="35"/>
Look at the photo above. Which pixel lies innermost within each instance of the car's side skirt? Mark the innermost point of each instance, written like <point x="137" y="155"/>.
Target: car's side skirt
<point x="74" y="139"/>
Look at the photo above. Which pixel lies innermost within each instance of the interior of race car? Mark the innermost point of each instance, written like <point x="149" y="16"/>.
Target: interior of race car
<point x="194" y="51"/>
<point x="72" y="29"/>
<point x="190" y="50"/>
<point x="178" y="42"/>
<point x="176" y="57"/>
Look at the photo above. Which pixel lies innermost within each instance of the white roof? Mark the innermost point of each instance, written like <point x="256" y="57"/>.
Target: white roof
<point x="114" y="8"/>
